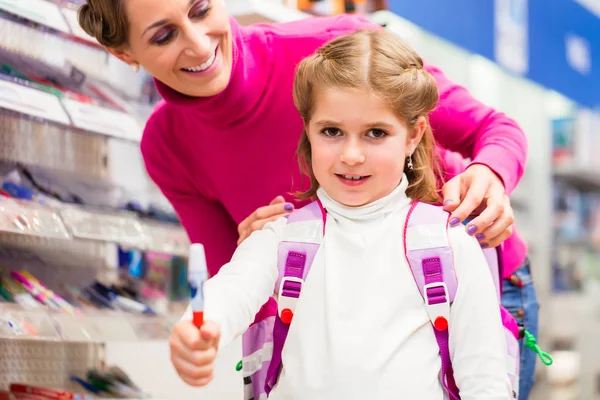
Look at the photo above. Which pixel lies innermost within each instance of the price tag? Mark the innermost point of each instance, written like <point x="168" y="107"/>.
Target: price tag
<point x="30" y="219"/>
<point x="121" y="229"/>
<point x="40" y="11"/>
<point x="103" y="120"/>
<point x="31" y="101"/>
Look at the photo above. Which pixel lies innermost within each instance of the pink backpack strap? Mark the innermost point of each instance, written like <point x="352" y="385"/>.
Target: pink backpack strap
<point x="294" y="261"/>
<point x="430" y="258"/>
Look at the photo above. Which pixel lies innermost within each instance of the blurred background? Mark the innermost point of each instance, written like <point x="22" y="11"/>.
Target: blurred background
<point x="79" y="216"/>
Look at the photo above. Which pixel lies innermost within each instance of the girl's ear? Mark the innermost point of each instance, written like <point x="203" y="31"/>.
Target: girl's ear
<point x="415" y="135"/>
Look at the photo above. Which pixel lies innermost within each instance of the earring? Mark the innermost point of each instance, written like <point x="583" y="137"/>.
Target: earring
<point x="409" y="162"/>
<point x="135" y="67"/>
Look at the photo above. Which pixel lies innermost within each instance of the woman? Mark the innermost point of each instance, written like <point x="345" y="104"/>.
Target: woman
<point x="222" y="143"/>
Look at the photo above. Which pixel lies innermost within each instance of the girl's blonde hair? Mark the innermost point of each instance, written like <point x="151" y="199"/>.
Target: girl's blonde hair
<point x="382" y="63"/>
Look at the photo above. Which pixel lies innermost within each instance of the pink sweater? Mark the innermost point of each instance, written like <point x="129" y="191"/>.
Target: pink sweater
<point x="219" y="158"/>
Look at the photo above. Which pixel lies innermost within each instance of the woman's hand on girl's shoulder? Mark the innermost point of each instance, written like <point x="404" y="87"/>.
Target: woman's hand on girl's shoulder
<point x="262" y="215"/>
<point x="479" y="192"/>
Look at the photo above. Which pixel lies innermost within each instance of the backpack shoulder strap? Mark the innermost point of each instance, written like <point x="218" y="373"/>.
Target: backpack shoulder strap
<point x="428" y="249"/>
<point x="302" y="238"/>
<point x="431" y="261"/>
<point x="297" y="250"/>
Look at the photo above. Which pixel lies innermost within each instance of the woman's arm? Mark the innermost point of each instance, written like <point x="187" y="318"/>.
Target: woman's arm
<point x="463" y="124"/>
<point x="477" y="341"/>
<point x="205" y="221"/>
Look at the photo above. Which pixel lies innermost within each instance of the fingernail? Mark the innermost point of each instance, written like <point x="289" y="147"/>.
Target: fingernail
<point x="471" y="230"/>
<point x="288" y="207"/>
<point x="448" y="202"/>
<point x="485" y="246"/>
<point x="454" y="221"/>
<point x="480" y="236"/>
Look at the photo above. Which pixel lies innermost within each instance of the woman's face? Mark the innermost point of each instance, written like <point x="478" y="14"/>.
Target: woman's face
<point x="186" y="44"/>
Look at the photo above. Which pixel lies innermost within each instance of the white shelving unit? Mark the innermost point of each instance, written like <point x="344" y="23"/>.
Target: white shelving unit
<point x="71" y="222"/>
<point x="249" y="12"/>
<point x="93" y="151"/>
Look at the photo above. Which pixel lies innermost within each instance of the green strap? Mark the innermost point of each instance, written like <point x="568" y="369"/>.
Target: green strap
<point x="238" y="367"/>
<point x="531" y="343"/>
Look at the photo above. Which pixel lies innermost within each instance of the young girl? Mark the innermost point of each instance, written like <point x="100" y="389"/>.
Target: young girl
<point x="360" y="328"/>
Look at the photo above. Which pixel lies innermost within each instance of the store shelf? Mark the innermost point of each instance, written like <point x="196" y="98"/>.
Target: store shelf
<point x="53" y="147"/>
<point x="75" y="223"/>
<point x="36" y="108"/>
<point x="39" y="11"/>
<point x="581" y="178"/>
<point x="49" y="15"/>
<point x="64" y="20"/>
<point x="584" y="243"/>
<point x="248" y="12"/>
<point x="94" y="326"/>
<point x="45" y="362"/>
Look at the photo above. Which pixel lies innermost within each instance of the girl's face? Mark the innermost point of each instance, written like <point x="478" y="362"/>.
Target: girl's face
<point x="358" y="145"/>
<point x="186" y="44"/>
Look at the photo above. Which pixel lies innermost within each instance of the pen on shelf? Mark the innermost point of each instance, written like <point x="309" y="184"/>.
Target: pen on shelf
<point x="197" y="275"/>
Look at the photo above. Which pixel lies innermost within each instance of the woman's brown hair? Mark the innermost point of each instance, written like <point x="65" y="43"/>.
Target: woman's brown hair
<point x="106" y="21"/>
<point x="380" y="62"/>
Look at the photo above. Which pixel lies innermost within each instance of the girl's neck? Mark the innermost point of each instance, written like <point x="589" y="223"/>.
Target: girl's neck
<point x="374" y="210"/>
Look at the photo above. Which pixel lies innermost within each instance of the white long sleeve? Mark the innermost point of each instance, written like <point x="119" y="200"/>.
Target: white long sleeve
<point x="477" y="342"/>
<point x="360" y="328"/>
<point x="237" y="292"/>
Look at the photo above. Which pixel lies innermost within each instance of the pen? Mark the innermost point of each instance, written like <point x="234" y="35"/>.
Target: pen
<point x="197" y="275"/>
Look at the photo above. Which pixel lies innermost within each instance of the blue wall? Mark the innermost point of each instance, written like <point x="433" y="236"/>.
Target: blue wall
<point x="470" y="24"/>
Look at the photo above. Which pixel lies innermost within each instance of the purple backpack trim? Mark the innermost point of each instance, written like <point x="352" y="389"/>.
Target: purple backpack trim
<point x="432" y="265"/>
<point x="295" y="260"/>
<point x="433" y="270"/>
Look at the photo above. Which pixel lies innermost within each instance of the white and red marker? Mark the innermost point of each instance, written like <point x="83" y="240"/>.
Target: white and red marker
<point x="197" y="275"/>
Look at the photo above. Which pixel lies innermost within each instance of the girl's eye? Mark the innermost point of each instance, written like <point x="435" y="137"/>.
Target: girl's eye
<point x="377" y="134"/>
<point x="331" y="132"/>
<point x="162" y="37"/>
<point x="200" y="9"/>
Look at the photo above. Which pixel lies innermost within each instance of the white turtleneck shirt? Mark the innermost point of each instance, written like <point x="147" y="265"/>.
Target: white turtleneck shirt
<point x="360" y="328"/>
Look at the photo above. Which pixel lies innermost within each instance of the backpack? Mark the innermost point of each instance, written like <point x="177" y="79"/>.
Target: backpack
<point x="431" y="261"/>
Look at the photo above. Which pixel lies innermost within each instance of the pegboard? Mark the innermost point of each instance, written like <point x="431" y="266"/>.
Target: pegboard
<point x="47" y="363"/>
<point x="31" y="141"/>
<point x="65" y="253"/>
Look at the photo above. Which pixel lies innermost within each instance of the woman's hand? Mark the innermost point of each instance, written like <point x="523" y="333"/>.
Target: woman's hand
<point x="275" y="210"/>
<point x="480" y="192"/>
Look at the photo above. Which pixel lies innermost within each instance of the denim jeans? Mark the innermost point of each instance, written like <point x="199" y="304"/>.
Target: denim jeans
<point x="520" y="300"/>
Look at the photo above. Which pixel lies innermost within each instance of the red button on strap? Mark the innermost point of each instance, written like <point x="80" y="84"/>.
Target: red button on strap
<point x="441" y="324"/>
<point x="286" y="315"/>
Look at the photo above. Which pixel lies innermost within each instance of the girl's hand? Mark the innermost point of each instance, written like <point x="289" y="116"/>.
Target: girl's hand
<point x="275" y="210"/>
<point x="193" y="351"/>
<point x="479" y="191"/>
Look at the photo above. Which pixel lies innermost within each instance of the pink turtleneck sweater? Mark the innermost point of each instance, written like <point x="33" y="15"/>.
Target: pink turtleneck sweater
<point x="219" y="158"/>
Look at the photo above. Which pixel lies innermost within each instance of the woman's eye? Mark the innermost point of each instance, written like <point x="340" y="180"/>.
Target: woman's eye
<point x="200" y="9"/>
<point x="331" y="132"/>
<point x="377" y="134"/>
<point x="163" y="37"/>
